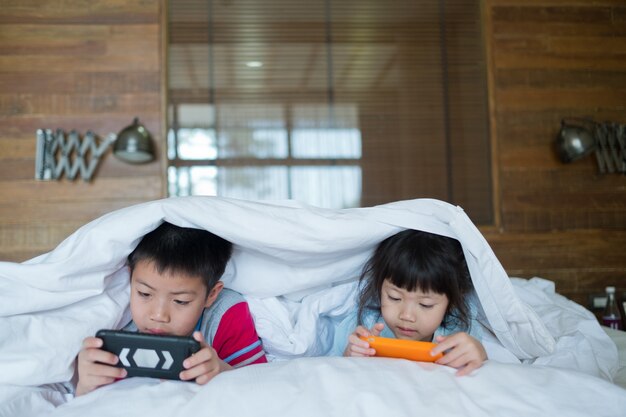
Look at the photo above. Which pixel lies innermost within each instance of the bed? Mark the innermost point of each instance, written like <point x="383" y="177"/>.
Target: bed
<point x="297" y="265"/>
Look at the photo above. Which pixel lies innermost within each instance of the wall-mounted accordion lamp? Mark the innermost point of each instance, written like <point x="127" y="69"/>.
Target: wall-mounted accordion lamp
<point x="59" y="155"/>
<point x="578" y="138"/>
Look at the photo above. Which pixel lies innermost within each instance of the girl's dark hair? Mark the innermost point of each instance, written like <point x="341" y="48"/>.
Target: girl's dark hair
<point x="191" y="252"/>
<point x="418" y="260"/>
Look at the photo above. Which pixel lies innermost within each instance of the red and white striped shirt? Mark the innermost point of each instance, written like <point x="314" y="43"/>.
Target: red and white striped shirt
<point x="228" y="326"/>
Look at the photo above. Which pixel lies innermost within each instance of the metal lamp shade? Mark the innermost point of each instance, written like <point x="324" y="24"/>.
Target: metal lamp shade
<point x="574" y="142"/>
<point x="134" y="145"/>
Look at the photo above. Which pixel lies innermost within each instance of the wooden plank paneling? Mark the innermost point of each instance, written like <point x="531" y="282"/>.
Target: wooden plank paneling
<point x="536" y="251"/>
<point x="553" y="60"/>
<point x="77" y="104"/>
<point x="79" y="66"/>
<point x="579" y="262"/>
<point x="79" y="12"/>
<point x="78" y="191"/>
<point x="65" y="210"/>
<point x="24" y="126"/>
<point x="126" y="82"/>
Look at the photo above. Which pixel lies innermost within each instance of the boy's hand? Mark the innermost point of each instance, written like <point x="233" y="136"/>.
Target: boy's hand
<point x="359" y="347"/>
<point x="463" y="352"/>
<point x="96" y="366"/>
<point x="204" y="364"/>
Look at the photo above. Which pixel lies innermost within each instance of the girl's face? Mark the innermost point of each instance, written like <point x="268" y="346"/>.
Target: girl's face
<point x="167" y="303"/>
<point x="412" y="315"/>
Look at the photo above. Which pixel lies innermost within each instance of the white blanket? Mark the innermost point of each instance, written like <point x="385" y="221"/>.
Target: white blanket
<point x="314" y="387"/>
<point x="297" y="267"/>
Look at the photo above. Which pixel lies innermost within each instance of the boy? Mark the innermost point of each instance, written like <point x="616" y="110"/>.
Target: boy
<point x="176" y="290"/>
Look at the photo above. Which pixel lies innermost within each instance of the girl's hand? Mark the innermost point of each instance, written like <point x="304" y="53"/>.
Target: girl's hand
<point x="463" y="352"/>
<point x="359" y="347"/>
<point x="203" y="365"/>
<point x="96" y="367"/>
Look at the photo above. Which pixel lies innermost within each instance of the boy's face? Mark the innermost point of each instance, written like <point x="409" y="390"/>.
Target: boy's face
<point x="412" y="315"/>
<point x="167" y="303"/>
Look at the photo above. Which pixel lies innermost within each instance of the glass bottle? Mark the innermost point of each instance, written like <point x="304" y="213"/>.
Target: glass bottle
<point x="611" y="316"/>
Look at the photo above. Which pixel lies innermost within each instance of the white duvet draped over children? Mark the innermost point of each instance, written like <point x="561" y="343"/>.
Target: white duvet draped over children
<point x="296" y="265"/>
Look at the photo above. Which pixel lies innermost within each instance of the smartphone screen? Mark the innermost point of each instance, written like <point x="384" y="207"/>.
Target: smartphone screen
<point x="149" y="355"/>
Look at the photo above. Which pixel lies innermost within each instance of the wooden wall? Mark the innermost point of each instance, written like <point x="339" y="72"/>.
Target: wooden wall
<point x="550" y="60"/>
<point x="94" y="65"/>
<point x="84" y="65"/>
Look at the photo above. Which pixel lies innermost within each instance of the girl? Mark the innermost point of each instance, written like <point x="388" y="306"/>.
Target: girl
<point x="419" y="285"/>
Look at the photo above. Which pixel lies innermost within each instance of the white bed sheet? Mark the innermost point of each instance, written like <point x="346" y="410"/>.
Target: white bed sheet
<point x="619" y="338"/>
<point x="350" y="387"/>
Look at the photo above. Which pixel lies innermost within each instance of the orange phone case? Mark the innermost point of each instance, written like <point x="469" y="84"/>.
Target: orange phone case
<point x="404" y="349"/>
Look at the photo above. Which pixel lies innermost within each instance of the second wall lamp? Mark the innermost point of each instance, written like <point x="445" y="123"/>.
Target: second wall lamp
<point x="578" y="138"/>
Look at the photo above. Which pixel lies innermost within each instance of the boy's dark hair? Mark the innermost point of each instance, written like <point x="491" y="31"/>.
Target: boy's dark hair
<point x="184" y="250"/>
<point x="418" y="260"/>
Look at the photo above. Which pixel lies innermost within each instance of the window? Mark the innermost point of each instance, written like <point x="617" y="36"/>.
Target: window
<point x="334" y="103"/>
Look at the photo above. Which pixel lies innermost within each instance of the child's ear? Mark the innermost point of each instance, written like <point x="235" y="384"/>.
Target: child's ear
<point x="212" y="296"/>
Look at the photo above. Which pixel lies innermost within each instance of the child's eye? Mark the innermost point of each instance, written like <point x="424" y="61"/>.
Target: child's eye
<point x="426" y="305"/>
<point x="393" y="298"/>
<point x="143" y="294"/>
<point x="181" y="302"/>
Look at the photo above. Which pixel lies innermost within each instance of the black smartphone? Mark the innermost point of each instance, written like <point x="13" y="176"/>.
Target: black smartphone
<point x="143" y="354"/>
